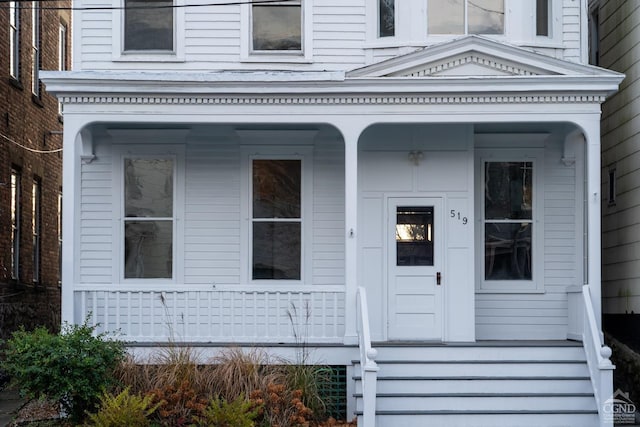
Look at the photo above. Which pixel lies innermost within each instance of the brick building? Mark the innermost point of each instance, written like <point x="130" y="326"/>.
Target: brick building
<point x="36" y="36"/>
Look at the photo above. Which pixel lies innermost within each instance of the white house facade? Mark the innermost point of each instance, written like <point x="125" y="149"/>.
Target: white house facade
<point x="420" y="175"/>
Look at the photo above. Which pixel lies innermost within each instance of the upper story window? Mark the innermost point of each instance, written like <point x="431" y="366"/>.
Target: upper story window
<point x="386" y="18"/>
<point x="542" y="17"/>
<point x="59" y="220"/>
<point x="594" y="36"/>
<point x="14" y="39"/>
<point x="276" y="27"/>
<point x="35" y="48"/>
<point x="62" y="47"/>
<point x="465" y="16"/>
<point x="148" y="217"/>
<point x="148" y="25"/>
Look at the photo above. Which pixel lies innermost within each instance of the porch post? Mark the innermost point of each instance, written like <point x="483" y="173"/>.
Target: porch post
<point x="351" y="132"/>
<point x="591" y="128"/>
<point x="72" y="144"/>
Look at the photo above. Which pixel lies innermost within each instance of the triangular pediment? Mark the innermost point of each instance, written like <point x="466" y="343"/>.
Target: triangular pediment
<point x="473" y="56"/>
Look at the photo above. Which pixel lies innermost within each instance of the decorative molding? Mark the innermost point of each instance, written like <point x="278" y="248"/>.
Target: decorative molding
<point x="471" y="59"/>
<point x="86" y="146"/>
<point x="337" y="100"/>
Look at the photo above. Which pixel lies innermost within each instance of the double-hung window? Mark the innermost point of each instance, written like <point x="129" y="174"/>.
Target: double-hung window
<point x="277" y="27"/>
<point x="276" y="219"/>
<point x="465" y="16"/>
<point x="35" y="48"/>
<point x="148" y="222"/>
<point x="14" y="39"/>
<point x="149" y="25"/>
<point x="15" y="207"/>
<point x="36" y="209"/>
<point x="510" y="227"/>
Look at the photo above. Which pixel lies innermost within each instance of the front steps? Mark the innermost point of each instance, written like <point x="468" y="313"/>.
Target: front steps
<point x="482" y="385"/>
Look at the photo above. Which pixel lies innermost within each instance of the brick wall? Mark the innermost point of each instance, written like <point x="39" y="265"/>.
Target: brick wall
<point x="27" y="123"/>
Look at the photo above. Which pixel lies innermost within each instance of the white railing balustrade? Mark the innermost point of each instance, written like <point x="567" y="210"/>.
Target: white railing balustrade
<point x="598" y="354"/>
<point x="241" y="315"/>
<point x="368" y="365"/>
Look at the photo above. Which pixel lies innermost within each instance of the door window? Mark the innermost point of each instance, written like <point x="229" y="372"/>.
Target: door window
<point x="414" y="236"/>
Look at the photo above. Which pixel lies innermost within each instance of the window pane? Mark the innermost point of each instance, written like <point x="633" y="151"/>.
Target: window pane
<point x="148" y="25"/>
<point x="148" y="188"/>
<point x="276" y="188"/>
<point x="387" y="18"/>
<point x="445" y="16"/>
<point x="485" y="16"/>
<point x="508" y="190"/>
<point x="414" y="235"/>
<point x="507" y="251"/>
<point x="148" y="249"/>
<point x="277" y="27"/>
<point x="542" y="17"/>
<point x="276" y="250"/>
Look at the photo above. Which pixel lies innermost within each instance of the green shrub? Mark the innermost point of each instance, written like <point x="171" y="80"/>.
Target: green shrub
<point x="73" y="367"/>
<point x="220" y="413"/>
<point x="125" y="409"/>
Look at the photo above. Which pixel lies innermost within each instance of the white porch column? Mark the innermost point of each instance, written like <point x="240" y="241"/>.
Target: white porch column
<point x="72" y="149"/>
<point x="351" y="133"/>
<point x="594" y="236"/>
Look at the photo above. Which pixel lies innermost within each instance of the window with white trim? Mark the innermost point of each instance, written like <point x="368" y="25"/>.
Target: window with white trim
<point x="14" y="39"/>
<point x="386" y="18"/>
<point x="15" y="207"/>
<point x="510" y="230"/>
<point x="35" y="48"/>
<point x="465" y="16"/>
<point x="59" y="217"/>
<point x="276" y="219"/>
<point x="148" y="217"/>
<point x="148" y="25"/>
<point x="277" y="27"/>
<point x="36" y="210"/>
<point x="543" y="18"/>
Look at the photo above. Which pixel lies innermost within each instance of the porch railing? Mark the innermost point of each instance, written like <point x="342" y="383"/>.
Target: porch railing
<point x="598" y="354"/>
<point x="240" y="314"/>
<point x="368" y="366"/>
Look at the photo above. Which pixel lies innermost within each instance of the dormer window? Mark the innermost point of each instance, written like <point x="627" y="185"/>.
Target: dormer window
<point x="276" y="27"/>
<point x="465" y="16"/>
<point x="148" y="25"/>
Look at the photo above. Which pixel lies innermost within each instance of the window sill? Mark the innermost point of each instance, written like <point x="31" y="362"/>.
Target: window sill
<point x="37" y="100"/>
<point x="276" y="58"/>
<point x="15" y="83"/>
<point x="509" y="289"/>
<point x="169" y="57"/>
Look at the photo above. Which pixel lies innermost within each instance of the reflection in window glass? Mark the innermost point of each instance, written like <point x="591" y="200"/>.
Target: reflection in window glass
<point x="277" y="222"/>
<point x="542" y="17"/>
<point x="508" y="220"/>
<point x="148" y="25"/>
<point x="277" y="27"/>
<point x="35" y="227"/>
<point x="148" y="224"/>
<point x="387" y="18"/>
<point x="414" y="236"/>
<point x="465" y="16"/>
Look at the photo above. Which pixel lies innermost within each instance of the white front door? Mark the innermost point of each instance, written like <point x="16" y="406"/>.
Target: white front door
<point x="415" y="236"/>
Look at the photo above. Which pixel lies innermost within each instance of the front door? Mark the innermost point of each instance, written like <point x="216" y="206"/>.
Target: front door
<point x="415" y="235"/>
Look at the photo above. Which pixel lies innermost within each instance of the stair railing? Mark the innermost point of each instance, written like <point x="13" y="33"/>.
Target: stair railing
<point x="598" y="354"/>
<point x="368" y="365"/>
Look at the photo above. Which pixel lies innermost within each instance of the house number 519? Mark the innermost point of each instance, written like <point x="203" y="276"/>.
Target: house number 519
<point x="456" y="214"/>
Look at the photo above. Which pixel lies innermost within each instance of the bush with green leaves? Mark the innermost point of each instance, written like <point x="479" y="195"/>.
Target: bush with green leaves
<point x="237" y="413"/>
<point x="72" y="368"/>
<point x="125" y="409"/>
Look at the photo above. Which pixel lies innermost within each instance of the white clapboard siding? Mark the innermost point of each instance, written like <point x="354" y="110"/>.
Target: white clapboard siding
<point x="619" y="30"/>
<point x="211" y="38"/>
<point x="183" y="314"/>
<point x="541" y="315"/>
<point x="96" y="221"/>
